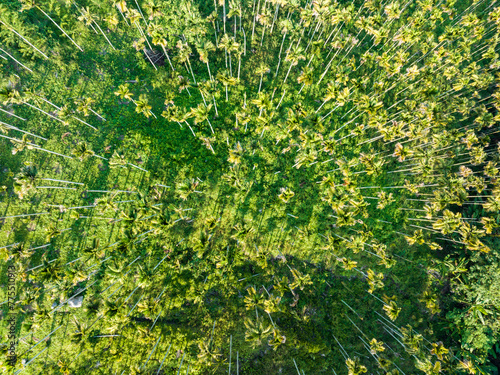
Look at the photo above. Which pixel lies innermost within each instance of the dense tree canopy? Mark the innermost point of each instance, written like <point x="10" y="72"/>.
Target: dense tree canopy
<point x="250" y="186"/>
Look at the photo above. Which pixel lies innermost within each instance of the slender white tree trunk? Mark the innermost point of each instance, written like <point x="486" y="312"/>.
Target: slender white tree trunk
<point x="244" y="42"/>
<point x="203" y="97"/>
<point x="275" y="16"/>
<point x="97" y="114"/>
<point x="215" y="106"/>
<point x="104" y="35"/>
<point x="239" y="64"/>
<point x="168" y="58"/>
<point x="83" y="122"/>
<point x="254" y="15"/>
<point x="149" y="45"/>
<point x="36" y="147"/>
<point x="190" y="128"/>
<point x="224" y="14"/>
<point x="23" y="38"/>
<point x="192" y="73"/>
<point x="211" y="128"/>
<point x="12" y="114"/>
<point x="277" y="68"/>
<point x="287" y="73"/>
<point x="209" y="73"/>
<point x="48" y="114"/>
<point x="12" y="57"/>
<point x="282" y="96"/>
<point x="22" y="131"/>
<point x="64" y="32"/>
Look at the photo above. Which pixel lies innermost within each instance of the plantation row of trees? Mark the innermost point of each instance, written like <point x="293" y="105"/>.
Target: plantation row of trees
<point x="254" y="186"/>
